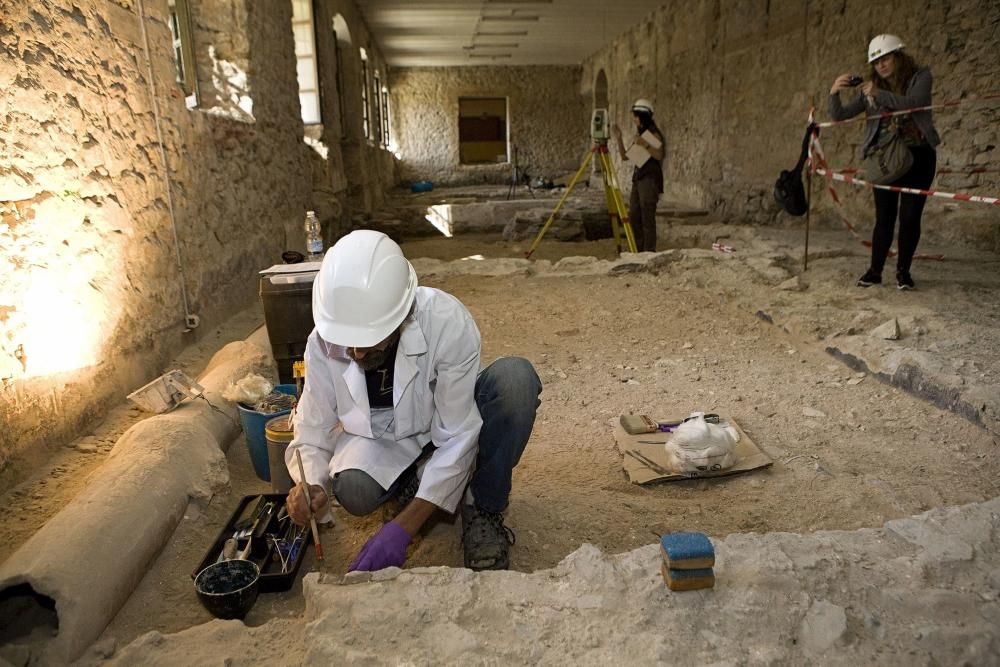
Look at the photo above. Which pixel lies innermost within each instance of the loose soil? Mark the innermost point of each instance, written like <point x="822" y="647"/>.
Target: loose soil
<point x="688" y="338"/>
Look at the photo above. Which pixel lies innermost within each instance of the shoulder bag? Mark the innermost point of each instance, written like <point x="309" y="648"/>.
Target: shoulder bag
<point x="789" y="192"/>
<point x="889" y="159"/>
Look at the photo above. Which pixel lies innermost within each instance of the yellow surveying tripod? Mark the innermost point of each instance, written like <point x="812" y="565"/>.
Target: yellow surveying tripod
<point x="612" y="194"/>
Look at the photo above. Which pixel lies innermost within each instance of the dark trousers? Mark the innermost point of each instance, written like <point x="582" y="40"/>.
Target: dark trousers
<point x="908" y="207"/>
<point x="642" y="213"/>
<point x="507" y="394"/>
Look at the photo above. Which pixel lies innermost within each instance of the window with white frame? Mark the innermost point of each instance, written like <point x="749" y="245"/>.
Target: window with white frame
<point x="183" y="45"/>
<point x="305" y="55"/>
<point x="365" y="120"/>
<point x="377" y="97"/>
<point x="385" y="117"/>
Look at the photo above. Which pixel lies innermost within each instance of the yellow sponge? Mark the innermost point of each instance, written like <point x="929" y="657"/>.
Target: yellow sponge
<point x="687" y="580"/>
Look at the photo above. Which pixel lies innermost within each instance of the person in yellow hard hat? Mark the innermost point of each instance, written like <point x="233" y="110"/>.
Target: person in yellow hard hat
<point x="647" y="178"/>
<point x="895" y="82"/>
<point x="395" y="407"/>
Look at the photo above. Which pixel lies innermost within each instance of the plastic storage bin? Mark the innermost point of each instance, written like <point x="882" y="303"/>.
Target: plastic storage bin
<point x="286" y="297"/>
<point x="253" y="423"/>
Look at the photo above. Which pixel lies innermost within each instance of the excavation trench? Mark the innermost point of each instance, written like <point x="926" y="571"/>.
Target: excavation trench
<point x="675" y="336"/>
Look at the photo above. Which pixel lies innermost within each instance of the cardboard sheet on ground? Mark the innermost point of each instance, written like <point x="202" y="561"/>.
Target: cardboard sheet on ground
<point x="748" y="455"/>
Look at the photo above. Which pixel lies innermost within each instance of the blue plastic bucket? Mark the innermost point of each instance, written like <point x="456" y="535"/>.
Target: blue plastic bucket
<point x="253" y="428"/>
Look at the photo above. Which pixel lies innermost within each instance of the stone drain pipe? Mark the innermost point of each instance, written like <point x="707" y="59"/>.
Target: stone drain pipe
<point x="64" y="585"/>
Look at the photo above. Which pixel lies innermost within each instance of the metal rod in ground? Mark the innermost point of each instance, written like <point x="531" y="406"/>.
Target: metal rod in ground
<point x="809" y="197"/>
<point x="312" y="519"/>
<point x="809" y="202"/>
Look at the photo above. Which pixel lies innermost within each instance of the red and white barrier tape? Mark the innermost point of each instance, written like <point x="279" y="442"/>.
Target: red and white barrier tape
<point x="963" y="170"/>
<point x="816" y="157"/>
<point x="815" y="149"/>
<point x="969" y="170"/>
<point x="721" y="247"/>
<point x="817" y="164"/>
<point x="889" y="114"/>
<point x="960" y="196"/>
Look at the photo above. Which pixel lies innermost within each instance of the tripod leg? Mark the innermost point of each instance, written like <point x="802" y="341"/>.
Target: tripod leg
<point x="609" y="202"/>
<point x="615" y="195"/>
<point x="622" y="210"/>
<point x="629" y="236"/>
<point x="548" y="223"/>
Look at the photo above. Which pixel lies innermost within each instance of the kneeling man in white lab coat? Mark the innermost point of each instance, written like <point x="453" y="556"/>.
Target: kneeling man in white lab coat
<point x="395" y="406"/>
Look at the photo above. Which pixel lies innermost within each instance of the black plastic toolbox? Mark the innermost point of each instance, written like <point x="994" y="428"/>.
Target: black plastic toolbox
<point x="262" y="550"/>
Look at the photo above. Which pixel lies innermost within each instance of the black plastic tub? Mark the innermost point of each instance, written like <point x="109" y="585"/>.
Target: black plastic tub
<point x="228" y="588"/>
<point x="262" y="550"/>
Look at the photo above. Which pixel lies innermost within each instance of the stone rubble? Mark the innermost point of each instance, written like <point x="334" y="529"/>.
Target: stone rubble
<point x="887" y="331"/>
<point x="920" y="590"/>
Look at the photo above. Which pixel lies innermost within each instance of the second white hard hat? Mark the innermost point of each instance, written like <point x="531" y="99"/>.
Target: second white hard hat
<point x="364" y="290"/>
<point x="643" y="105"/>
<point x="883" y="44"/>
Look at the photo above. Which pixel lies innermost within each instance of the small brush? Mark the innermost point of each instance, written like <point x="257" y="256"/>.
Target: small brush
<point x="312" y="519"/>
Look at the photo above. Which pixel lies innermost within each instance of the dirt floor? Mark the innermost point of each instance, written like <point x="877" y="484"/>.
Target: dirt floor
<point x="849" y="451"/>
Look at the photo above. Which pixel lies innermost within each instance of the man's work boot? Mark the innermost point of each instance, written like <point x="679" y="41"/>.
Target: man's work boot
<point x="485" y="539"/>
<point x="408" y="489"/>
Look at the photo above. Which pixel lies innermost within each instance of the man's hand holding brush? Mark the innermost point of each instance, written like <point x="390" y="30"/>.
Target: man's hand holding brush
<point x="308" y="503"/>
<point x="301" y="508"/>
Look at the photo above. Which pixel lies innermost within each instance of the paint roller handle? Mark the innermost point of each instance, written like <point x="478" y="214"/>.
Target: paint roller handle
<point x="229" y="549"/>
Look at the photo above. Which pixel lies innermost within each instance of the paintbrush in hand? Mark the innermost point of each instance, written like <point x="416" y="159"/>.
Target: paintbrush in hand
<point x="312" y="518"/>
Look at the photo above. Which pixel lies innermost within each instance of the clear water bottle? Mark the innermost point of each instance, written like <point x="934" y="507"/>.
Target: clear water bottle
<point x="314" y="238"/>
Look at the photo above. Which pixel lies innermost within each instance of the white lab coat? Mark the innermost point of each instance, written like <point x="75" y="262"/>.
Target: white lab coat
<point x="433" y="401"/>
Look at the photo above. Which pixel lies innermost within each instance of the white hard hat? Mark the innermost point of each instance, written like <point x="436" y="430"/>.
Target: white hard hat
<point x="883" y="44"/>
<point x="364" y="290"/>
<point x="644" y="105"/>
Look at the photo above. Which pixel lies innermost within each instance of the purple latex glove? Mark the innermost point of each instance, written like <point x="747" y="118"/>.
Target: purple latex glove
<point x="386" y="548"/>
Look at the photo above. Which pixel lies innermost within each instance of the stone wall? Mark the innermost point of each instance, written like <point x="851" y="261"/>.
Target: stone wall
<point x="91" y="301"/>
<point x="732" y="83"/>
<point x="548" y="121"/>
<point x="358" y="169"/>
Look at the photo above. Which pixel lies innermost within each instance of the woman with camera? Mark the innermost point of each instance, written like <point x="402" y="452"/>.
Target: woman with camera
<point x="896" y="82"/>
<point x="647" y="178"/>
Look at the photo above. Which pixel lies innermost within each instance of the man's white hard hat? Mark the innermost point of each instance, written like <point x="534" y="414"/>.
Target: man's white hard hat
<point x="643" y="105"/>
<point x="364" y="290"/>
<point x="883" y="44"/>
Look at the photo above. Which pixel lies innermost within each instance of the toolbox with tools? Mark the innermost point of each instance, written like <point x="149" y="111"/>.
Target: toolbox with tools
<point x="261" y="531"/>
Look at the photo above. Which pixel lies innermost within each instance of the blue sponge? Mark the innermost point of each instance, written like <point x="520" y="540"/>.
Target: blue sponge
<point x="687" y="551"/>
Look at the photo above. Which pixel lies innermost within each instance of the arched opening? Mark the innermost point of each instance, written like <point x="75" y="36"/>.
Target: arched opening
<point x="341" y="30"/>
<point x="601" y="91"/>
<point x="342" y="33"/>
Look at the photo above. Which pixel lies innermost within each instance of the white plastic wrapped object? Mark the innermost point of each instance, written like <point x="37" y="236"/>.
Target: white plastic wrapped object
<point x="700" y="446"/>
<point x="248" y="390"/>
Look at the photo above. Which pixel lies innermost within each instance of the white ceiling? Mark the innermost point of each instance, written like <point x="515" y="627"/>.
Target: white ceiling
<point x="446" y="33"/>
